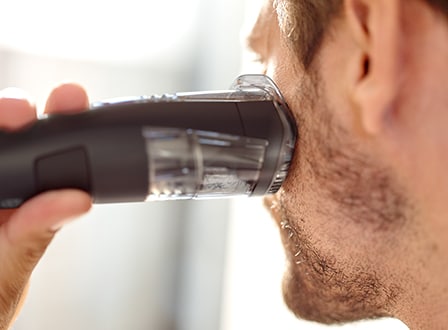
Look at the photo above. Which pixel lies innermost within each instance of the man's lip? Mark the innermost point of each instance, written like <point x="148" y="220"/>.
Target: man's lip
<point x="272" y="204"/>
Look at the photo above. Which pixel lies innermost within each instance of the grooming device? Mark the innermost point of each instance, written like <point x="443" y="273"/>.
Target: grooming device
<point x="236" y="142"/>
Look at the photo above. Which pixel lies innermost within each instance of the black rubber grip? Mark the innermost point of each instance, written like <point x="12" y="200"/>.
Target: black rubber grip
<point x="75" y="173"/>
<point x="104" y="152"/>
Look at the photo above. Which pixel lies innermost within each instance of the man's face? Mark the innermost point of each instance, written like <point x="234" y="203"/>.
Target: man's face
<point x="340" y="210"/>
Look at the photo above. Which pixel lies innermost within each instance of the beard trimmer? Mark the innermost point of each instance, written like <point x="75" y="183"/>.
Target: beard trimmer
<point x="180" y="146"/>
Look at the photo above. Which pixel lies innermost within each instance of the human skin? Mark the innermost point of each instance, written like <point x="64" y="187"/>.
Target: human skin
<point x="363" y="211"/>
<point x="26" y="232"/>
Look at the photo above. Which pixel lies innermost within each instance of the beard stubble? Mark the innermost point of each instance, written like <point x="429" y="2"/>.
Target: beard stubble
<point x="346" y="185"/>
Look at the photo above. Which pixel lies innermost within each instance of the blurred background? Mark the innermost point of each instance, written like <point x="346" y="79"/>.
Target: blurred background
<point x="170" y="265"/>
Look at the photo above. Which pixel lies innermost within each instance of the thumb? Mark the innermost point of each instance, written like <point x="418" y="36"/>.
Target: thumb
<point x="25" y="236"/>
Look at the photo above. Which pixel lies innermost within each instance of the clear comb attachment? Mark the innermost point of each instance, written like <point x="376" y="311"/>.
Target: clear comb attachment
<point x="244" y="89"/>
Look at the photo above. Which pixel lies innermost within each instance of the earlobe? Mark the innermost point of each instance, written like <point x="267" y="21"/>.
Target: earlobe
<point x="375" y="27"/>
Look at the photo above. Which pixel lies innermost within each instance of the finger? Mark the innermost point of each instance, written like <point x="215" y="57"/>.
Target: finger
<point x="67" y="98"/>
<point x="26" y="235"/>
<point x="5" y="215"/>
<point x="15" y="109"/>
<point x="39" y="219"/>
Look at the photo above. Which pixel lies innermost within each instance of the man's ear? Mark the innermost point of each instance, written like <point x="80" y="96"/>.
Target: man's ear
<point x="376" y="27"/>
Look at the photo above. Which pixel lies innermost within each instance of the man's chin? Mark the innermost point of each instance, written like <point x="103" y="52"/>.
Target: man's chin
<point x="317" y="287"/>
<point x="330" y="296"/>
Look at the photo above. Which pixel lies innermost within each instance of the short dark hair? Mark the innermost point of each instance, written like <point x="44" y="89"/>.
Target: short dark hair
<point x="306" y="21"/>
